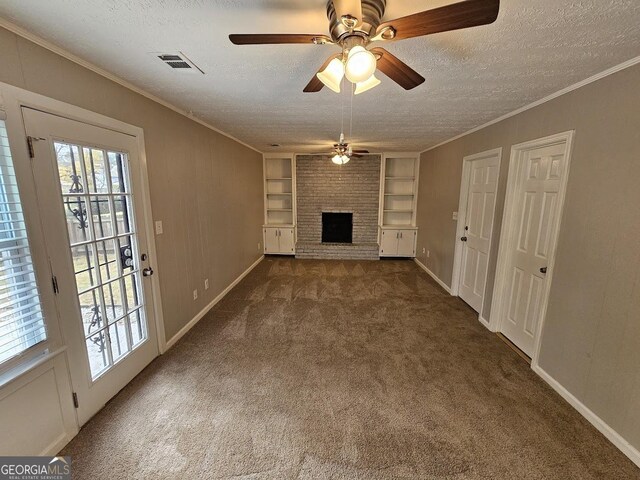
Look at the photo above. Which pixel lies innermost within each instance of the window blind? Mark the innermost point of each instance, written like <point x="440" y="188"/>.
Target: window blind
<point x="21" y="322"/>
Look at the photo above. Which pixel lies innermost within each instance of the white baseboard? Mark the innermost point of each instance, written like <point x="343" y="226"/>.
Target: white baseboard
<point x="181" y="333"/>
<point x="58" y="444"/>
<point x="484" y="322"/>
<point x="613" y="436"/>
<point x="433" y="275"/>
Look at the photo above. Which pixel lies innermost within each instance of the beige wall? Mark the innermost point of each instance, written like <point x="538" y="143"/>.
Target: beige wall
<point x="591" y="338"/>
<point x="205" y="187"/>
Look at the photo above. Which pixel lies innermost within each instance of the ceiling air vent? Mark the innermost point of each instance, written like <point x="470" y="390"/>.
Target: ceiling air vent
<point x="178" y="61"/>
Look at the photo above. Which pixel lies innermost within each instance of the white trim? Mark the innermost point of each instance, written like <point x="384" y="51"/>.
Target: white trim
<point x="548" y="98"/>
<point x="433" y="275"/>
<point x="484" y="321"/>
<point x="192" y="323"/>
<point x="462" y="212"/>
<point x="26" y="367"/>
<point x="614" y="437"/>
<point x="110" y="76"/>
<point x="56" y="446"/>
<point x="509" y="222"/>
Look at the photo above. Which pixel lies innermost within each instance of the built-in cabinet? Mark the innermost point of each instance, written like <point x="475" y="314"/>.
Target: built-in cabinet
<point x="279" y="240"/>
<point x="398" y="242"/>
<point x="398" y="199"/>
<point x="279" y="204"/>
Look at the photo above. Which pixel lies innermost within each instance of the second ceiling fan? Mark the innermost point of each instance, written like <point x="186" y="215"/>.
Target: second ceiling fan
<point x="354" y="24"/>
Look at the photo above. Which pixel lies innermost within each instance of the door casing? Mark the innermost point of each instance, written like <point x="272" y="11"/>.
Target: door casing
<point x="509" y="222"/>
<point x="462" y="216"/>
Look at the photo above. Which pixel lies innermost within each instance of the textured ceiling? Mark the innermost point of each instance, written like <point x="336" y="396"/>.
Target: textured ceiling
<point x="254" y="93"/>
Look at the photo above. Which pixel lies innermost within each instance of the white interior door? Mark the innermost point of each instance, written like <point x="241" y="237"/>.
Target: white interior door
<point x="476" y="242"/>
<point x="89" y="192"/>
<point x="532" y="241"/>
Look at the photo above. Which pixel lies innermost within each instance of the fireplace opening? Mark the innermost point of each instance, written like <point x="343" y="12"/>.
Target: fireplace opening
<point x="337" y="227"/>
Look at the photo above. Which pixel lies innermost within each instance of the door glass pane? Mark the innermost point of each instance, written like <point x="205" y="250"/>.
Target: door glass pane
<point x="84" y="267"/>
<point x="98" y="202"/>
<point x="76" y="212"/>
<point x="101" y="216"/>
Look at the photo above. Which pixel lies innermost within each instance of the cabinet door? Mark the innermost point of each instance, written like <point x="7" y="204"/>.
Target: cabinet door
<point x="407" y="243"/>
<point x="271" y="240"/>
<point x="287" y="243"/>
<point x="389" y="243"/>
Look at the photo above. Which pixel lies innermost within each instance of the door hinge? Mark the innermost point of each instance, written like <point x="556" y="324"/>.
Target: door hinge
<point x="54" y="283"/>
<point x="30" y="146"/>
<point x="30" y="140"/>
<point x="75" y="400"/>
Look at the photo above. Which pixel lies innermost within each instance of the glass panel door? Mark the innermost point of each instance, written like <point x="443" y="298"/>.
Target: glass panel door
<point x="89" y="181"/>
<point x="95" y="187"/>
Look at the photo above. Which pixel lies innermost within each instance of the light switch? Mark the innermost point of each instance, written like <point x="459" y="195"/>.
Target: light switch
<point x="455" y="216"/>
<point x="158" y="227"/>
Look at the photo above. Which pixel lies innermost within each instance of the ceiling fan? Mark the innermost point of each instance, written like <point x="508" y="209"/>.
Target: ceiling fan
<point x="342" y="152"/>
<point x="354" y="24"/>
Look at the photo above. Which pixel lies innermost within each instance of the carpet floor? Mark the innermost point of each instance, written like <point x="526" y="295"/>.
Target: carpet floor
<point x="313" y="369"/>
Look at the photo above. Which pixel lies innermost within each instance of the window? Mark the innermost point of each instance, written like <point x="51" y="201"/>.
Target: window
<point x="21" y="322"/>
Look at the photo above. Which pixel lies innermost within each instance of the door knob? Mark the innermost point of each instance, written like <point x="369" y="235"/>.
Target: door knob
<point x="464" y="239"/>
<point x="147" y="272"/>
<point x="543" y="270"/>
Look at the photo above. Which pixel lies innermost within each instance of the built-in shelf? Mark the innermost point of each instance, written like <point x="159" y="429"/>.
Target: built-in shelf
<point x="398" y="202"/>
<point x="279" y="204"/>
<point x="397" y="231"/>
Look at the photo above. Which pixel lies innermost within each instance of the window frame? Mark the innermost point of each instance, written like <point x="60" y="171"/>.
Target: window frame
<point x="15" y="366"/>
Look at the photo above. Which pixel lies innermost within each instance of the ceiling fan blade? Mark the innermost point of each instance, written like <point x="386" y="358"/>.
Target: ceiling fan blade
<point x="315" y="85"/>
<point x="278" y="38"/>
<point x="360" y="151"/>
<point x="397" y="70"/>
<point x="469" y="13"/>
<point x="349" y="8"/>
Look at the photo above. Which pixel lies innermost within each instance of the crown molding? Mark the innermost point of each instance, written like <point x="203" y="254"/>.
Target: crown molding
<point x="548" y="98"/>
<point x="110" y="76"/>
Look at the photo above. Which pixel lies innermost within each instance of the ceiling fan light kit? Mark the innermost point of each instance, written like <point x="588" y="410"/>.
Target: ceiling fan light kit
<point x="362" y="87"/>
<point x="332" y="75"/>
<point x="360" y="65"/>
<point x="340" y="159"/>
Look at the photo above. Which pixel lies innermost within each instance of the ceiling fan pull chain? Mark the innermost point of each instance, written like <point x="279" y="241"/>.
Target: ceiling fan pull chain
<point x="342" y="110"/>
<point x="351" y="120"/>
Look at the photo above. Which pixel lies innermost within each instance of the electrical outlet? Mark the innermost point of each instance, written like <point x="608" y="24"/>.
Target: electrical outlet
<point x="428" y="253"/>
<point x="206" y="284"/>
<point x="195" y="294"/>
<point x="159" y="228"/>
<point x="424" y="250"/>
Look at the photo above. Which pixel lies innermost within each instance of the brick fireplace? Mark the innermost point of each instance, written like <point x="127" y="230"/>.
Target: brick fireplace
<point x="323" y="187"/>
